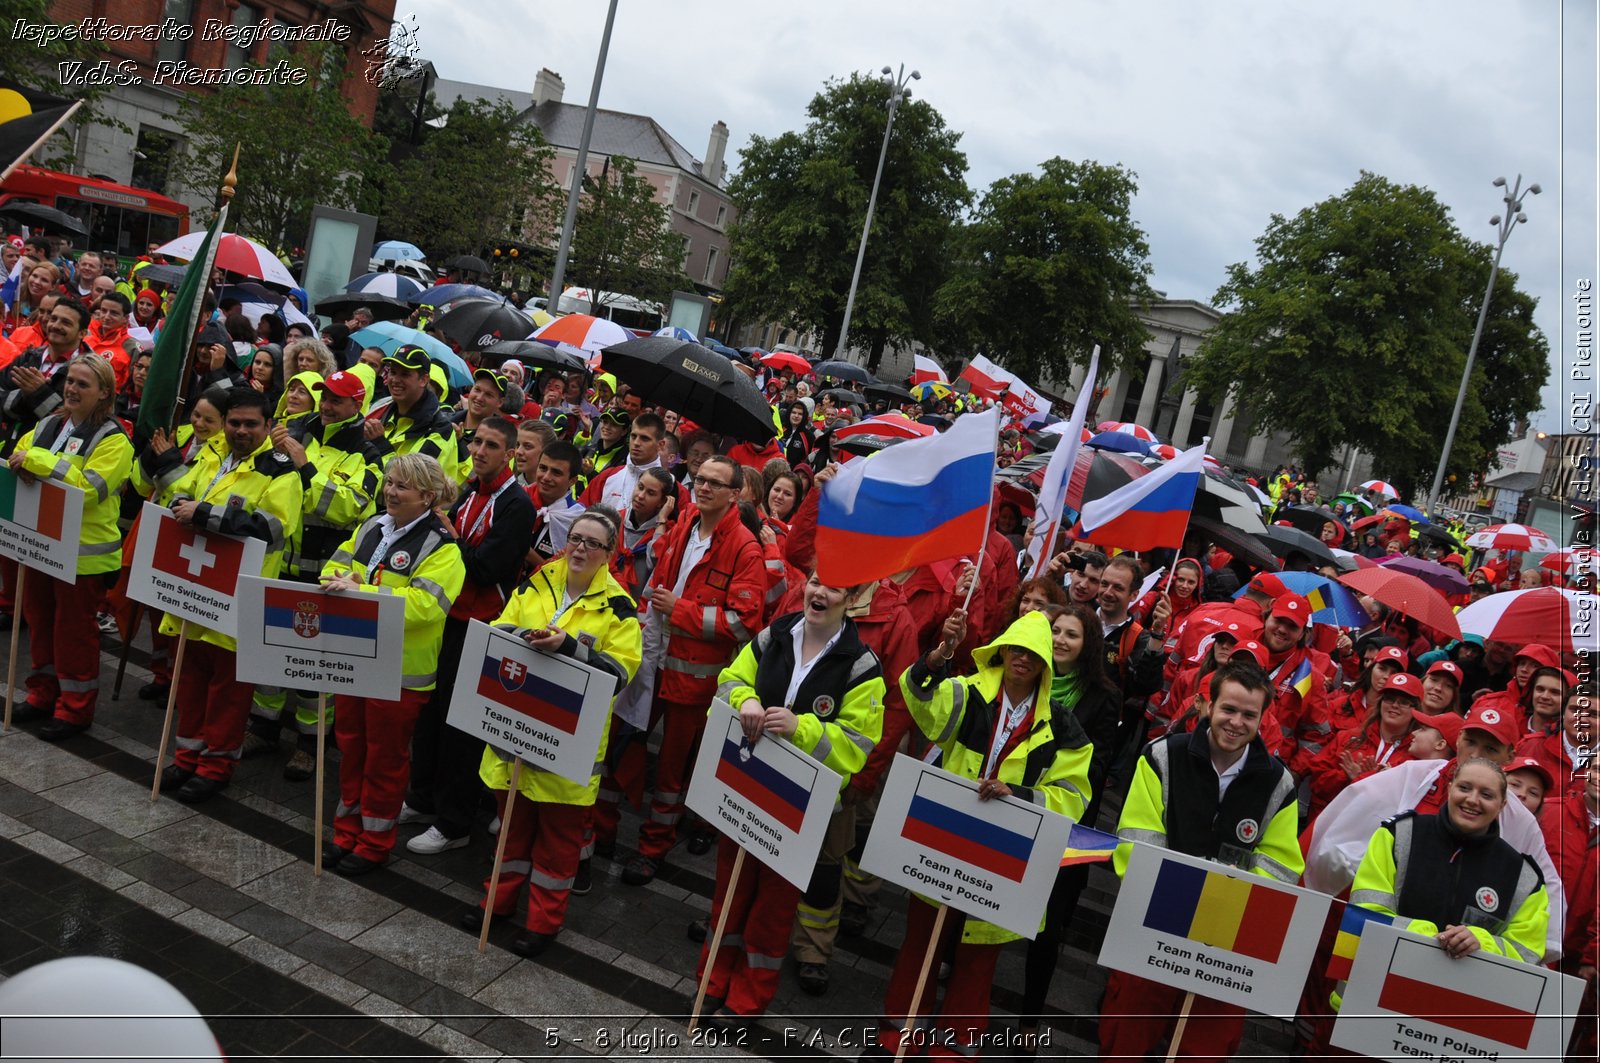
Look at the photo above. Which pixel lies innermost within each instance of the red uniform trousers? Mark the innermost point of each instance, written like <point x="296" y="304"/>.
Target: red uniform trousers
<point x="8" y="587"/>
<point x="374" y="767"/>
<point x="680" y="735"/>
<point x="543" y="847"/>
<point x="213" y="708"/>
<point x="949" y="1030"/>
<point x="64" y="640"/>
<point x="1139" y="1014"/>
<point x="161" y="650"/>
<point x="627" y="754"/>
<point x="755" y="939"/>
<point x="1314" y="1018"/>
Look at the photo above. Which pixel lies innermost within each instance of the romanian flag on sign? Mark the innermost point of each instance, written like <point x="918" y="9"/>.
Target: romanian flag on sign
<point x="1212" y="908"/>
<point x="27" y="118"/>
<point x="1348" y="939"/>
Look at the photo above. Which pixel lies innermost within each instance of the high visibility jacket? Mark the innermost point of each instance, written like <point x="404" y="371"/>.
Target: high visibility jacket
<point x="259" y="497"/>
<point x="1423" y="868"/>
<point x="155" y="475"/>
<point x="720" y="607"/>
<point x="341" y="490"/>
<point x="838" y="706"/>
<point x="603" y="632"/>
<point x="424" y="564"/>
<point x="1045" y="762"/>
<point x="426" y="429"/>
<point x="1175" y="803"/>
<point x="95" y="459"/>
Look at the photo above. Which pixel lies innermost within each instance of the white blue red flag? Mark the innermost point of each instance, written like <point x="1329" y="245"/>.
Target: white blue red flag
<point x="1000" y="842"/>
<point x="338" y="623"/>
<point x="1053" y="493"/>
<point x="1150" y="512"/>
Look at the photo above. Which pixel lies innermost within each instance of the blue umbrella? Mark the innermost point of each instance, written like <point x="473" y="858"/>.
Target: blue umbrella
<point x="1120" y="442"/>
<point x="1331" y="602"/>
<point x="1408" y="513"/>
<point x="440" y="294"/>
<point x="398" y="250"/>
<point x="677" y="333"/>
<point x="722" y="349"/>
<point x="394" y="285"/>
<point x="387" y="335"/>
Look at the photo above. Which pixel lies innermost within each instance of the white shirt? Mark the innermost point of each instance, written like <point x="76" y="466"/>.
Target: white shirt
<point x="618" y="489"/>
<point x="391" y="535"/>
<point x="1011" y="717"/>
<point x="1226" y="776"/>
<point x="802" y="667"/>
<point x="67" y="428"/>
<point x="694" y="549"/>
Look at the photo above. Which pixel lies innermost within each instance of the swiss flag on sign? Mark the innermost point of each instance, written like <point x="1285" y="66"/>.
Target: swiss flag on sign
<point x="193" y="556"/>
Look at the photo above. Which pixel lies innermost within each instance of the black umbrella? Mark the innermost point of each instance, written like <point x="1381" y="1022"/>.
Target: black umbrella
<point x="341" y="305"/>
<point x="844" y="396"/>
<point x="468" y="264"/>
<point x="890" y="393"/>
<point x="162" y="273"/>
<point x="866" y="444"/>
<point x="476" y="323"/>
<point x="843" y="371"/>
<point x="693" y="382"/>
<point x="1308" y="519"/>
<point x="37" y="214"/>
<point x="1242" y="545"/>
<point x="1283" y="541"/>
<point x="534" y="353"/>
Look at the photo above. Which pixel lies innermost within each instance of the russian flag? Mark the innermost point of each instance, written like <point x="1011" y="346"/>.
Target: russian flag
<point x="309" y="620"/>
<point x="999" y="840"/>
<point x="926" y="369"/>
<point x="911" y="504"/>
<point x="1150" y="512"/>
<point x="509" y="683"/>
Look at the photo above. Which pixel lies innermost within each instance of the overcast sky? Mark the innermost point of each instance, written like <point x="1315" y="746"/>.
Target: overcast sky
<point x="1227" y="111"/>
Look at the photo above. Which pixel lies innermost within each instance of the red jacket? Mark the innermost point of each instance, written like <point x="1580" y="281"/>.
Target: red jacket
<point x="1295" y="726"/>
<point x="753" y="456"/>
<point x="1550" y="751"/>
<point x="1328" y="776"/>
<point x="1574" y="848"/>
<point x="1347" y="710"/>
<point x="720" y="609"/>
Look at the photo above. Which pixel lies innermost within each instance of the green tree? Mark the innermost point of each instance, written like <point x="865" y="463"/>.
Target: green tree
<point x="802" y="197"/>
<point x="301" y="147"/>
<point x="37" y="63"/>
<point x="1354" y="328"/>
<point x="1051" y="264"/>
<point x="480" y="179"/>
<point x="623" y="241"/>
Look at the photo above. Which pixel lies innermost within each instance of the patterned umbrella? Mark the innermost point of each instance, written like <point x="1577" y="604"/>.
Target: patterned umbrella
<point x="1554" y="616"/>
<point x="1137" y="430"/>
<point x="394" y="285"/>
<point x="1383" y="487"/>
<point x="1577" y="560"/>
<point x="585" y="332"/>
<point x="236" y="254"/>
<point x="1512" y="537"/>
<point x="931" y="391"/>
<point x="678" y="333"/>
<point x="398" y="250"/>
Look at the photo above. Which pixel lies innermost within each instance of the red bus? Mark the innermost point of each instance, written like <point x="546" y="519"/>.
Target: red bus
<point x="119" y="218"/>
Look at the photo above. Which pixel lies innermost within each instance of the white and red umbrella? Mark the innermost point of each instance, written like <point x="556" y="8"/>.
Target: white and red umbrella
<point x="1138" y="431"/>
<point x="236" y="254"/>
<point x="789" y="360"/>
<point x="1512" y="537"/>
<point x="1577" y="560"/>
<point x="1383" y="487"/>
<point x="894" y="424"/>
<point x="1557" y="617"/>
<point x="1164" y="451"/>
<point x="587" y="333"/>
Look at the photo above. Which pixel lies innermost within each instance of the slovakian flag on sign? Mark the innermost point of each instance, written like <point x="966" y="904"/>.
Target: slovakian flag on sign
<point x="338" y="623"/>
<point x="764" y="783"/>
<point x="192" y="555"/>
<point x="1212" y="908"/>
<point x="41" y="509"/>
<point x="911" y="504"/>
<point x="1482" y="999"/>
<point x="999" y="841"/>
<point x="509" y="682"/>
<point x="1348" y="939"/>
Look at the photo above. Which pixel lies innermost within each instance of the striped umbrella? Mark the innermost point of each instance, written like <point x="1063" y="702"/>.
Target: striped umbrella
<point x="585" y="332"/>
<point x="1139" y="431"/>
<point x="1554" y="616"/>
<point x="1577" y="560"/>
<point x="1512" y="537"/>
<point x="236" y="254"/>
<point x="1383" y="487"/>
<point x="677" y="332"/>
<point x="931" y="391"/>
<point x="394" y="285"/>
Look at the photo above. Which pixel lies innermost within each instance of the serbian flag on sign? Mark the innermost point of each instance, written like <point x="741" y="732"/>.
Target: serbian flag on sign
<point x="338" y="623"/>
<point x="509" y="683"/>
<point x="761" y="782"/>
<point x="1150" y="512"/>
<point x="41" y="509"/>
<point x="193" y="556"/>
<point x="911" y="504"/>
<point x="926" y="369"/>
<point x="998" y="842"/>
<point x="1479" y="998"/>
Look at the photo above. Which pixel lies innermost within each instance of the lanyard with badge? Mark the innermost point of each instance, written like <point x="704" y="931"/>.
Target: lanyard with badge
<point x="74" y="443"/>
<point x="470" y="536"/>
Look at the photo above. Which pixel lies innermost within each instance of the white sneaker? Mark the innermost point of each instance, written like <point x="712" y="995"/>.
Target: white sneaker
<point x="430" y="842"/>
<point x="411" y="815"/>
<point x="494" y="827"/>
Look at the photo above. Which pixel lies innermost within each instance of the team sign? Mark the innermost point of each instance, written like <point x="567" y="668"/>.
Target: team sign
<point x="550" y="711"/>
<point x="1407" y="998"/>
<point x="1213" y="930"/>
<point x="770" y="798"/>
<point x="299" y="635"/>
<point x="191" y="573"/>
<point x="40" y="524"/>
<point x="994" y="859"/>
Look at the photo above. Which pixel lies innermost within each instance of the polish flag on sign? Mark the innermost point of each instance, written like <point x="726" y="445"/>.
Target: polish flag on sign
<point x="1480" y="999"/>
<point x="192" y="555"/>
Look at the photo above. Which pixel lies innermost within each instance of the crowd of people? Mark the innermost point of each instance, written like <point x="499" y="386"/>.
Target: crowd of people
<point x="574" y="512"/>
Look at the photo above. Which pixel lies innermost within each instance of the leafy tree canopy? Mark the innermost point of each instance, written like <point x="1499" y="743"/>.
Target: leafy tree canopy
<point x="623" y="241"/>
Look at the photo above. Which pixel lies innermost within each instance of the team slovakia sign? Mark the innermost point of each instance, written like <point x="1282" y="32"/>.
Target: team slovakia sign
<point x="550" y="711"/>
<point x="190" y="573"/>
<point x="1407" y="997"/>
<point x="298" y="635"/>
<point x="1213" y="930"/>
<point x="994" y="859"/>
<point x="772" y="799"/>
<point x="41" y="524"/>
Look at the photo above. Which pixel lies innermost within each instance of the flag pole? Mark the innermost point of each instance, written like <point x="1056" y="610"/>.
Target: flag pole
<point x="172" y="704"/>
<point x="716" y="939"/>
<point x="322" y="746"/>
<point x="1205" y="441"/>
<point x="1069" y="447"/>
<point x="230" y="182"/>
<point x="988" y="515"/>
<point x="46" y="135"/>
<point x="922" y="978"/>
<point x="16" y="637"/>
<point x="1183" y="1020"/>
<point x="499" y="855"/>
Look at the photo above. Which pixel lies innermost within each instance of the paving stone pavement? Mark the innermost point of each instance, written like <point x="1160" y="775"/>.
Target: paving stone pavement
<point x="220" y="899"/>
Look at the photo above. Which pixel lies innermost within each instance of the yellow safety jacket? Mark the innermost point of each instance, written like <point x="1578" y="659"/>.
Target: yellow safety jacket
<point x="95" y="459"/>
<point x="341" y="490"/>
<point x="258" y="497"/>
<point x="155" y="475"/>
<point x="603" y="632"/>
<point x="424" y="564"/>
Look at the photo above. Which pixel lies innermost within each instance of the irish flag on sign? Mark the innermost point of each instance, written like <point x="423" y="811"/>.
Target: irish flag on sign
<point x="40" y="507"/>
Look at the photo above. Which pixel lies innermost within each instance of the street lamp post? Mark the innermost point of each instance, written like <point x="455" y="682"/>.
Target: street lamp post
<point x="1504" y="224"/>
<point x="580" y="167"/>
<point x="899" y="89"/>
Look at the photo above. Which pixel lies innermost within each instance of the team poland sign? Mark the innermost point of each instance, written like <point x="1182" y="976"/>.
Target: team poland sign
<point x="190" y="573"/>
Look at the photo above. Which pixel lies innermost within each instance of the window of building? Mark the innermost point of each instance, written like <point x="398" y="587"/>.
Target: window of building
<point x="153" y="157"/>
<point x="688" y="246"/>
<point x="694" y="203"/>
<point x="181" y="12"/>
<point x="243" y="15"/>
<point x="722" y="214"/>
<point x="711" y="264"/>
<point x="279" y="48"/>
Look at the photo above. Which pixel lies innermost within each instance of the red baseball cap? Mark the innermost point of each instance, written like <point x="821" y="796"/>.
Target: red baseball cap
<point x="1449" y="668"/>
<point x="1268" y="584"/>
<point x="1496" y="718"/>
<point x="1447" y="724"/>
<point x="1404" y="683"/>
<point x="1392" y="653"/>
<point x="1255" y="650"/>
<point x="345" y="385"/>
<point x="1292" y="607"/>
<point x="1529" y="764"/>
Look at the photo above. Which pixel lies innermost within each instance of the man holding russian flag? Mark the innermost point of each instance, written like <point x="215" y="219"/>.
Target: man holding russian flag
<point x="1217" y="794"/>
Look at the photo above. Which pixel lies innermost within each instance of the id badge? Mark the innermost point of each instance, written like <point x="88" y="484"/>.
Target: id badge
<point x="74" y="444"/>
<point x="1236" y="856"/>
<point x="1481" y="919"/>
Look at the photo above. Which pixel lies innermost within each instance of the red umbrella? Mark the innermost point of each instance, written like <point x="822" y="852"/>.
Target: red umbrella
<point x="1572" y="562"/>
<point x="894" y="425"/>
<point x="1406" y="594"/>
<point x="1557" y="617"/>
<point x="787" y="360"/>
<point x="1512" y="537"/>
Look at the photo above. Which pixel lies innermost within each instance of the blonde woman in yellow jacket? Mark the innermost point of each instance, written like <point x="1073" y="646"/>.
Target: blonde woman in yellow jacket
<point x="572" y="607"/>
<point x="83" y="448"/>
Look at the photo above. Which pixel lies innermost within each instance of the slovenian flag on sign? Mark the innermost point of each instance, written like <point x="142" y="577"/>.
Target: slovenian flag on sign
<point x="761" y="782"/>
<point x="41" y="508"/>
<point x="999" y="841"/>
<point x="1150" y="512"/>
<point x="911" y="504"/>
<point x="337" y="623"/>
<point x="509" y="683"/>
<point x="1212" y="908"/>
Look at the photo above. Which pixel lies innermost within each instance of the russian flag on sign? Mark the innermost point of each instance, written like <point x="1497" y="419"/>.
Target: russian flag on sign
<point x="999" y="841"/>
<point x="916" y="502"/>
<point x="1150" y="512"/>
<point x="337" y="623"/>
<point x="509" y="682"/>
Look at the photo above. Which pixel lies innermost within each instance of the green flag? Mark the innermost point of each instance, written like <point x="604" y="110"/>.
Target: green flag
<point x="164" y="382"/>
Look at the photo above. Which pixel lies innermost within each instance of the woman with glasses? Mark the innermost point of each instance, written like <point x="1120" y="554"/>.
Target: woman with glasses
<point x="572" y="607"/>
